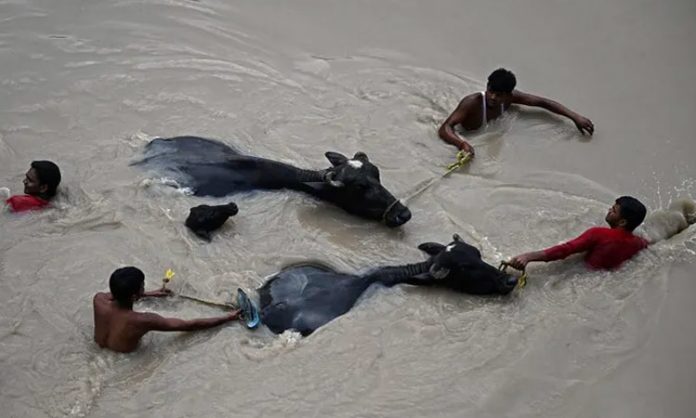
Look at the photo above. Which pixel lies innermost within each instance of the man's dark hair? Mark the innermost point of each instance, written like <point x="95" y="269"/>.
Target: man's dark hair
<point x="125" y="283"/>
<point x="49" y="175"/>
<point x="632" y="211"/>
<point x="502" y="81"/>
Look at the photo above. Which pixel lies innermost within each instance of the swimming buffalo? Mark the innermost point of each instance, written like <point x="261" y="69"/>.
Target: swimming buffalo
<point x="304" y="297"/>
<point x="211" y="168"/>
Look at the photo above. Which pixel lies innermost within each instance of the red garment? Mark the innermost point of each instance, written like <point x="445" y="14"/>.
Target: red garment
<point x="606" y="248"/>
<point x="24" y="202"/>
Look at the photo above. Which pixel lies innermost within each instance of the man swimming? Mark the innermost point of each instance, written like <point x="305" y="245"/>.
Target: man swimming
<point x="475" y="110"/>
<point x="119" y="328"/>
<point x="604" y="248"/>
<point x="40" y="186"/>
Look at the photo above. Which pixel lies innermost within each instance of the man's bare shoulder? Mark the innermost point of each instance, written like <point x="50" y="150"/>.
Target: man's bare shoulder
<point x="138" y="323"/>
<point x="471" y="98"/>
<point x="101" y="298"/>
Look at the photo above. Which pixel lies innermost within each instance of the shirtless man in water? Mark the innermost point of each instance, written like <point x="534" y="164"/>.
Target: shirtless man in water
<point x="119" y="328"/>
<point x="475" y="110"/>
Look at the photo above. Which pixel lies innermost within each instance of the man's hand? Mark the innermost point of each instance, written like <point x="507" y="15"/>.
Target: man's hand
<point x="584" y="124"/>
<point x="234" y="314"/>
<point x="159" y="293"/>
<point x="520" y="262"/>
<point x="464" y="146"/>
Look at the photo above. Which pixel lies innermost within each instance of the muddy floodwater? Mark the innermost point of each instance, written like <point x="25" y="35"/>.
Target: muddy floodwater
<point x="87" y="84"/>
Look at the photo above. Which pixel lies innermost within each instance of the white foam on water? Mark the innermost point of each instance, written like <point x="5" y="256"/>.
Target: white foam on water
<point x="665" y="223"/>
<point x="169" y="183"/>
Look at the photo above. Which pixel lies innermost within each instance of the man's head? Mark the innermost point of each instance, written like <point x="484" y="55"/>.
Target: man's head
<point x="42" y="179"/>
<point x="501" y="83"/>
<point x="627" y="213"/>
<point x="127" y="285"/>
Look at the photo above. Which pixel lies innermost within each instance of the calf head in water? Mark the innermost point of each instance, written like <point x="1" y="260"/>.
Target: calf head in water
<point x="459" y="266"/>
<point x="204" y="219"/>
<point x="357" y="189"/>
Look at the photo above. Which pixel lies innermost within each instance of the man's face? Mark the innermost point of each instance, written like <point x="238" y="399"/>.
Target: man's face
<point x="496" y="98"/>
<point x="613" y="217"/>
<point x="32" y="185"/>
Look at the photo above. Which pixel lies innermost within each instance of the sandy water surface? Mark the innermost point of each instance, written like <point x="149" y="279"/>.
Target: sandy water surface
<point x="86" y="84"/>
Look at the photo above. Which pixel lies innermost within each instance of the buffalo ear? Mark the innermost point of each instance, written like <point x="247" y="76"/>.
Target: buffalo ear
<point x="457" y="238"/>
<point x="431" y="248"/>
<point x="336" y="158"/>
<point x="361" y="156"/>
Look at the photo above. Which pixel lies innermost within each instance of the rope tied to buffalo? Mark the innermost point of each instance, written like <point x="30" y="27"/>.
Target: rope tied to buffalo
<point x="462" y="159"/>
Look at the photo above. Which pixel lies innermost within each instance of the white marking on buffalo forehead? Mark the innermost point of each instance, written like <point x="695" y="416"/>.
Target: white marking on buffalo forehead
<point x="449" y="247"/>
<point x="355" y="163"/>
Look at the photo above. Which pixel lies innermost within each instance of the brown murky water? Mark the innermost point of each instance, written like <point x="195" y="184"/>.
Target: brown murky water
<point x="87" y="83"/>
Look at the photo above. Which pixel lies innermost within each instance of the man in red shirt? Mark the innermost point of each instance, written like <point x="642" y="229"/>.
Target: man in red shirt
<point x="40" y="185"/>
<point x="604" y="248"/>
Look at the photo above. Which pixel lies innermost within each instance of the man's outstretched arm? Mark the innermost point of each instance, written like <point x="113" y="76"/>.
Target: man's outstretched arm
<point x="578" y="245"/>
<point x="159" y="293"/>
<point x="446" y="131"/>
<point x="155" y="322"/>
<point x="583" y="124"/>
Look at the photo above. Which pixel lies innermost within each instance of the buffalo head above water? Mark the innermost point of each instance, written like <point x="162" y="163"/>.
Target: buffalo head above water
<point x="459" y="266"/>
<point x="356" y="187"/>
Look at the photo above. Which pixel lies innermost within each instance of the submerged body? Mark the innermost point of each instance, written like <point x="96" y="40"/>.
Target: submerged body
<point x="211" y="168"/>
<point x="24" y="203"/>
<point x="116" y="328"/>
<point x="305" y="297"/>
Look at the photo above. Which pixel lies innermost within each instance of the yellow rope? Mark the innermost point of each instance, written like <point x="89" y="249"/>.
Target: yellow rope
<point x="169" y="275"/>
<point x="462" y="159"/>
